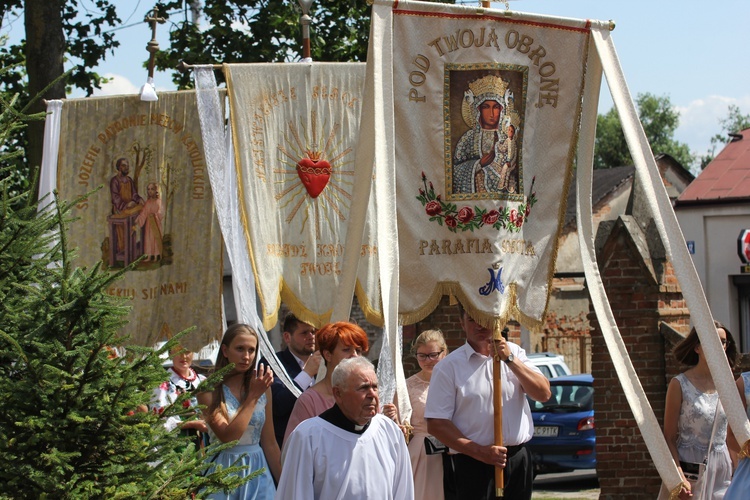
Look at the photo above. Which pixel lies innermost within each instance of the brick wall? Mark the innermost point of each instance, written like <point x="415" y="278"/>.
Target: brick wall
<point x="643" y="294"/>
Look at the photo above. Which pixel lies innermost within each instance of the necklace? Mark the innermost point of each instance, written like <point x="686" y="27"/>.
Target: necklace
<point x="188" y="378"/>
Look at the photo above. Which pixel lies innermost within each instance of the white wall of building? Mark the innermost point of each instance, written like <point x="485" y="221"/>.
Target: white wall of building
<point x="714" y="230"/>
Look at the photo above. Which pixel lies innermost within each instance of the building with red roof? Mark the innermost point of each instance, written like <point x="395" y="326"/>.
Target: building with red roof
<point x="713" y="212"/>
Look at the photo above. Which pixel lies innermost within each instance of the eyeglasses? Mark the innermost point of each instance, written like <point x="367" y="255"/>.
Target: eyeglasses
<point x="432" y="355"/>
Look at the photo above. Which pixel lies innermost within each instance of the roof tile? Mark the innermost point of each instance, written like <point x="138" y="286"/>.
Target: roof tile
<point x="726" y="177"/>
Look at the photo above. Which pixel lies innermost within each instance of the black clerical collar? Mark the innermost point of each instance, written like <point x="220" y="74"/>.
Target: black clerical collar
<point x="336" y="417"/>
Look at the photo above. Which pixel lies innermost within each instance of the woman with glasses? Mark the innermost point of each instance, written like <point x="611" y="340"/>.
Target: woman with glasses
<point x="429" y="348"/>
<point x="695" y="426"/>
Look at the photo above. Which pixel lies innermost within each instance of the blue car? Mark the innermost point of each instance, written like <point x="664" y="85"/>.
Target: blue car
<point x="564" y="437"/>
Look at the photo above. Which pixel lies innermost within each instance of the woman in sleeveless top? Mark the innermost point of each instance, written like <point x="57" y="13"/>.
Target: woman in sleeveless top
<point x="690" y="415"/>
<point x="236" y="410"/>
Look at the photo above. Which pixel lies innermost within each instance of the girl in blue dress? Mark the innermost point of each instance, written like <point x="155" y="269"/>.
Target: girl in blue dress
<point x="240" y="409"/>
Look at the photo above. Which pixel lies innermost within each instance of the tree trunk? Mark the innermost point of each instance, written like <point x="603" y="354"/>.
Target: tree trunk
<point x="45" y="49"/>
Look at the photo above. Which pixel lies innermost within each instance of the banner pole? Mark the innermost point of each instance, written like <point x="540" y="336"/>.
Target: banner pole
<point x="497" y="401"/>
<point x="305" y="21"/>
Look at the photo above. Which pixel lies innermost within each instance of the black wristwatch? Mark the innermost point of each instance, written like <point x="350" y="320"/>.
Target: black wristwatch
<point x="510" y="358"/>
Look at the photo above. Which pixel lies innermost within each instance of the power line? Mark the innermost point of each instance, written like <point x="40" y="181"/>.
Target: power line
<point x="133" y="13"/>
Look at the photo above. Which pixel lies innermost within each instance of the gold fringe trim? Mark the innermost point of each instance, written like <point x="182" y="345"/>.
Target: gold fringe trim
<point x="512" y="311"/>
<point x="745" y="452"/>
<point x="372" y="315"/>
<point x="299" y="309"/>
<point x="303" y="313"/>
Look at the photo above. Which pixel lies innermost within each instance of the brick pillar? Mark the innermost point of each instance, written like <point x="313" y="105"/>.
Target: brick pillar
<point x="643" y="294"/>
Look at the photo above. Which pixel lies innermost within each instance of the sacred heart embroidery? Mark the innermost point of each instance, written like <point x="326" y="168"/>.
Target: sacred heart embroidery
<point x="314" y="173"/>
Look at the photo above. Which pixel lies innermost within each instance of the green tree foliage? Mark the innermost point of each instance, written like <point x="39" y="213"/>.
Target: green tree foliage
<point x="659" y="120"/>
<point x="69" y="428"/>
<point x="237" y="31"/>
<point x="733" y="123"/>
<point x="33" y="62"/>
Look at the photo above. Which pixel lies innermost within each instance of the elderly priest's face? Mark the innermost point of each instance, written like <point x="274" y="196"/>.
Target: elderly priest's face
<point x="358" y="399"/>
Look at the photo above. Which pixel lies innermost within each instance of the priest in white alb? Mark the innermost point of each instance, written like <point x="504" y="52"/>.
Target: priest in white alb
<point x="349" y="451"/>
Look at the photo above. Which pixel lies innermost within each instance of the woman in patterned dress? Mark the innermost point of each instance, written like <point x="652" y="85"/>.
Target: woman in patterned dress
<point x="240" y="409"/>
<point x="182" y="379"/>
<point x="690" y="412"/>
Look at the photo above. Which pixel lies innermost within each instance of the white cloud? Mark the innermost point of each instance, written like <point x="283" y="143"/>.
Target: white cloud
<point x="700" y="120"/>
<point x="117" y="85"/>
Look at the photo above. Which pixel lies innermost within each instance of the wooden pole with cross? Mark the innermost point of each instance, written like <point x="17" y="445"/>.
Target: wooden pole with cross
<point x="153" y="46"/>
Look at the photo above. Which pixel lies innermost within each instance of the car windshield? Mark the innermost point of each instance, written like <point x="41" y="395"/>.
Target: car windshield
<point x="567" y="397"/>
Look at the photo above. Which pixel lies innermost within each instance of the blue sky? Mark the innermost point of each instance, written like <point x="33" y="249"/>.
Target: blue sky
<point x="692" y="51"/>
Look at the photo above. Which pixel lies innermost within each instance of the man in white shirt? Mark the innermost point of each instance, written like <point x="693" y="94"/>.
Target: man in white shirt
<point x="459" y="412"/>
<point x="349" y="451"/>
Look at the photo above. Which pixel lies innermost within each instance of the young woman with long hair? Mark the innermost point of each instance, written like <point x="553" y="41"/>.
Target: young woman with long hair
<point x="695" y="425"/>
<point x="240" y="409"/>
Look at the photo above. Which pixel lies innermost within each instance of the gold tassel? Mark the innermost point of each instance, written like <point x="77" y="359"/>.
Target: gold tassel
<point x="408" y="431"/>
<point x="745" y="453"/>
<point x="675" y="493"/>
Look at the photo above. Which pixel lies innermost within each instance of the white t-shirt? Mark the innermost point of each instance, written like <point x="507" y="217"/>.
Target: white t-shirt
<point x="461" y="391"/>
<point x="322" y="461"/>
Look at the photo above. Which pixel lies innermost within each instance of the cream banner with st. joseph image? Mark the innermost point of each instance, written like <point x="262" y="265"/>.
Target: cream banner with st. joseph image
<point x="154" y="203"/>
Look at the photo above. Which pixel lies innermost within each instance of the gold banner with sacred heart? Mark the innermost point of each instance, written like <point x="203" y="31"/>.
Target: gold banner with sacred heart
<point x="294" y="130"/>
<point x="155" y="203"/>
<point x="487" y="110"/>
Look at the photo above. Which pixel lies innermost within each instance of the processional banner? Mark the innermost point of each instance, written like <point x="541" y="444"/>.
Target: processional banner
<point x="155" y="202"/>
<point x="486" y="113"/>
<point x="294" y="131"/>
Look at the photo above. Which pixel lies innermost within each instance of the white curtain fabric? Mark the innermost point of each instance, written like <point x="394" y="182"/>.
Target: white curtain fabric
<point x="50" y="151"/>
<point x="220" y="165"/>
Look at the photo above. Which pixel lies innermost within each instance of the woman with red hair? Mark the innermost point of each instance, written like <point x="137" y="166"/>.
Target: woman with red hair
<point x="336" y="341"/>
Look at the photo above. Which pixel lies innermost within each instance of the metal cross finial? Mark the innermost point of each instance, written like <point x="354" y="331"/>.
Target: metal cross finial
<point x="153" y="46"/>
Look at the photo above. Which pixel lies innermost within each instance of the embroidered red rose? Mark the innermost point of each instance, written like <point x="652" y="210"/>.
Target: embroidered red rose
<point x="512" y="216"/>
<point x="519" y="220"/>
<point x="450" y="221"/>
<point x="528" y="210"/>
<point x="465" y="214"/>
<point x="433" y="208"/>
<point x="490" y="217"/>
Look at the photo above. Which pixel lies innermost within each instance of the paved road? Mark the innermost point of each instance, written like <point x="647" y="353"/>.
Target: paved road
<point x="580" y="485"/>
